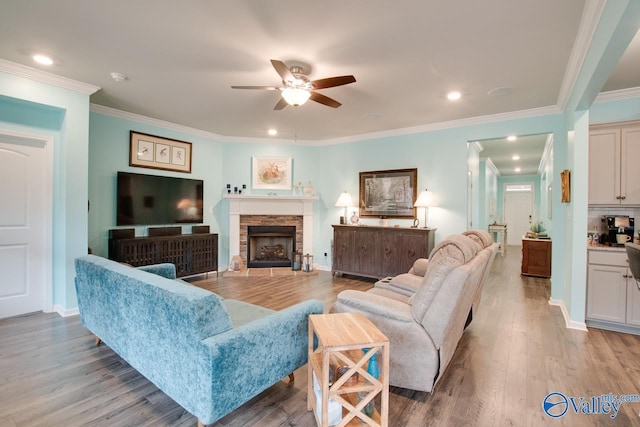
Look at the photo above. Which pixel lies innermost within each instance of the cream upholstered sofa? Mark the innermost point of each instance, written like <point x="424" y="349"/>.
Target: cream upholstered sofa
<point x="408" y="283"/>
<point x="424" y="328"/>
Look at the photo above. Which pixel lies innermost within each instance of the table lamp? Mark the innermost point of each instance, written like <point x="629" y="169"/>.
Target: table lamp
<point x="344" y="201"/>
<point x="426" y="200"/>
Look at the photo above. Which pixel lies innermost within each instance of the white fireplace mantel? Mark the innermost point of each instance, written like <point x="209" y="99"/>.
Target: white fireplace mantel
<point x="269" y="205"/>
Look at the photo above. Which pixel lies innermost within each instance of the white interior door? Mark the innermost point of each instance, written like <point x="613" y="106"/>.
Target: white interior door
<point x="23" y="225"/>
<point x="518" y="211"/>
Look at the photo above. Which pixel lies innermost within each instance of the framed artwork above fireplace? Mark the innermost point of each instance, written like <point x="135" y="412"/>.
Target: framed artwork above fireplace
<point x="271" y="173"/>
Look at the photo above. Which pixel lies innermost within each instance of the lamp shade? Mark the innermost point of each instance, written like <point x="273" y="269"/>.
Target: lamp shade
<point x="344" y="201"/>
<point x="426" y="199"/>
<point x="295" y="96"/>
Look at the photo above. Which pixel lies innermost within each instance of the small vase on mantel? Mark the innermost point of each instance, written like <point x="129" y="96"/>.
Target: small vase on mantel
<point x="309" y="190"/>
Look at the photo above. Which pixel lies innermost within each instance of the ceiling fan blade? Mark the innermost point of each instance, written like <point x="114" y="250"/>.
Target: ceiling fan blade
<point x="281" y="104"/>
<point x="282" y="70"/>
<point x="256" y="87"/>
<point x="322" y="99"/>
<point x="333" y="81"/>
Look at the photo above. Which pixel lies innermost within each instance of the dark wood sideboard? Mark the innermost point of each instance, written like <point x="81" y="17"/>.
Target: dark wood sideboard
<point x="379" y="252"/>
<point x="190" y="253"/>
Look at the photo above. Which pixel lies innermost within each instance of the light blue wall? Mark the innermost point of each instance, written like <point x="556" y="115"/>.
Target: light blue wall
<point x="109" y="153"/>
<point x="488" y="207"/>
<point x="441" y="158"/>
<point x="62" y="114"/>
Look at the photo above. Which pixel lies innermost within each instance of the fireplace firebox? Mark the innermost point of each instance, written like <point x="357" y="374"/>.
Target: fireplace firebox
<point x="270" y="246"/>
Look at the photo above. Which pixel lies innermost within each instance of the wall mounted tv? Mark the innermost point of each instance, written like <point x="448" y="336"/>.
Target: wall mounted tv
<point x="156" y="200"/>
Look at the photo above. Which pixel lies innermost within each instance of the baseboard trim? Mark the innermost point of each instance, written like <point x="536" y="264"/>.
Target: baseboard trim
<point x="63" y="312"/>
<point x="613" y="326"/>
<point x="569" y="324"/>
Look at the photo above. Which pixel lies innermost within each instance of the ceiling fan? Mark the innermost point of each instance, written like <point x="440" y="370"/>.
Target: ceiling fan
<point x="296" y="87"/>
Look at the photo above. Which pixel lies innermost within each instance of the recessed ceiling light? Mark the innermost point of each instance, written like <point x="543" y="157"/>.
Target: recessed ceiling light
<point x="517" y="169"/>
<point x="118" y="77"/>
<point x="516" y="157"/>
<point x="272" y="132"/>
<point x="454" y="96"/>
<point x="511" y="138"/>
<point x="500" y="91"/>
<point x="42" y="59"/>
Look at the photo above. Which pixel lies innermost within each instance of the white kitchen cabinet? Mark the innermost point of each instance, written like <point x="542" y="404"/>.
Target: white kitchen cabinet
<point x="614" y="177"/>
<point x="613" y="299"/>
<point x="607" y="293"/>
<point x="633" y="302"/>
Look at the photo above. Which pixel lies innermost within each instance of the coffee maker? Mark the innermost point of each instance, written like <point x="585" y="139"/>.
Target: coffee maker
<point x="617" y="230"/>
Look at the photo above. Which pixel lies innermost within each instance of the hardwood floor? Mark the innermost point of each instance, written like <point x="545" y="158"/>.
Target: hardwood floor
<point x="513" y="354"/>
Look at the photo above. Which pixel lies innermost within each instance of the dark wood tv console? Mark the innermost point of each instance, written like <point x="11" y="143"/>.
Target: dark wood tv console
<point x="378" y="252"/>
<point x="190" y="253"/>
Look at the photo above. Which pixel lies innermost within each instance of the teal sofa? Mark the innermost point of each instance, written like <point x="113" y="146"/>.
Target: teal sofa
<point x="207" y="353"/>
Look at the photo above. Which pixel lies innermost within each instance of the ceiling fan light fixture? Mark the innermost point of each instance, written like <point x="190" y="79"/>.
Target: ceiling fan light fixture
<point x="295" y="96"/>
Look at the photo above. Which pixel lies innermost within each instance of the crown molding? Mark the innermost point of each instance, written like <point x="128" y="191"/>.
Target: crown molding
<point x="46" y="77"/>
<point x="472" y="121"/>
<point x="492" y="166"/>
<point x="514" y="115"/>
<point x="478" y="145"/>
<point x="618" y="95"/>
<point x="547" y="154"/>
<point x="591" y="16"/>
<point x="113" y="112"/>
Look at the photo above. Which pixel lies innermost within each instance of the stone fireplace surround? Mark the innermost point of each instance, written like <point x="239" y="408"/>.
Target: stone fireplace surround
<point x="247" y="210"/>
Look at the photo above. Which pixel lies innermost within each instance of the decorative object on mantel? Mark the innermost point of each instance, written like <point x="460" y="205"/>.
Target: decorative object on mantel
<point x="389" y="193"/>
<point x="426" y="200"/>
<point x="149" y="151"/>
<point x="344" y="201"/>
<point x="271" y="173"/>
<point x="309" y="190"/>
<point x="565" y="182"/>
<point x="298" y="188"/>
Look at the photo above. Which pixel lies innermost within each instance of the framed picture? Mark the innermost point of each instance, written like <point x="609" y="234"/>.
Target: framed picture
<point x="565" y="183"/>
<point x="390" y="193"/>
<point x="271" y="173"/>
<point x="148" y="151"/>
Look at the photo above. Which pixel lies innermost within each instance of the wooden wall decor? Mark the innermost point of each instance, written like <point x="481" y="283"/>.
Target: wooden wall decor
<point x="565" y="177"/>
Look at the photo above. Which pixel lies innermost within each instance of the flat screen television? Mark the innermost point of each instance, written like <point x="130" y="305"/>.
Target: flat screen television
<point x="158" y="200"/>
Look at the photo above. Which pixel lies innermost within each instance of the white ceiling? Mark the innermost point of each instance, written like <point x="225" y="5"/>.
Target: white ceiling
<point x="181" y="58"/>
<point x="528" y="148"/>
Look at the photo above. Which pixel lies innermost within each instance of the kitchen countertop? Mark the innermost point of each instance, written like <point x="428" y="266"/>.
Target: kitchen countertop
<point x="599" y="247"/>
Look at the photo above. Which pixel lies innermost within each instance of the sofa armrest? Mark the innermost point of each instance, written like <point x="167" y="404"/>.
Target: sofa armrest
<point x="166" y="269"/>
<point x="419" y="267"/>
<point x="377" y="305"/>
<point x="244" y="361"/>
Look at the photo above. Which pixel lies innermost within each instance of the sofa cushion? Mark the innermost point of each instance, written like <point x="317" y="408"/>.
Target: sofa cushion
<point x="450" y="253"/>
<point x="407" y="281"/>
<point x="242" y="312"/>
